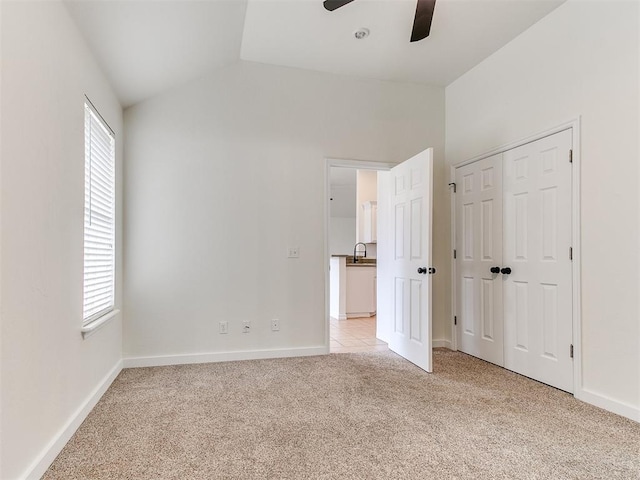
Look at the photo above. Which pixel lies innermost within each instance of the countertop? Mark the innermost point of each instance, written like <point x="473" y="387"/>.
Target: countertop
<point x="362" y="262"/>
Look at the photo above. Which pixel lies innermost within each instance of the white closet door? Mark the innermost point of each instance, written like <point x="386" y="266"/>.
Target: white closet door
<point x="478" y="250"/>
<point x="537" y="238"/>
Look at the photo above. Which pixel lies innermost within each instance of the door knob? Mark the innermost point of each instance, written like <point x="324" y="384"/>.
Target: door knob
<point x="422" y="270"/>
<point x="432" y="270"/>
<point x="495" y="269"/>
<point x="505" y="271"/>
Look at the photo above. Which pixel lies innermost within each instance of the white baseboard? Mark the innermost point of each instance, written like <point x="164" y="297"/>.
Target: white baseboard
<point x="55" y="446"/>
<point x="606" y="403"/>
<point x="163" y="360"/>
<point x="441" y="343"/>
<point x="359" y="315"/>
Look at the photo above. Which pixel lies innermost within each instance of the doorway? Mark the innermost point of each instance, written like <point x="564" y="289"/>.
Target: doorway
<point x="352" y="242"/>
<point x="404" y="231"/>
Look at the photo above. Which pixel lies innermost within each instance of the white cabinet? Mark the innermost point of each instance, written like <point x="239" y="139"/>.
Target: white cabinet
<point x="366" y="205"/>
<point x="338" y="290"/>
<point x="369" y="224"/>
<point x="361" y="291"/>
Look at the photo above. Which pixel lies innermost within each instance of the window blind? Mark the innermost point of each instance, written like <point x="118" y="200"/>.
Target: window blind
<point x="99" y="217"/>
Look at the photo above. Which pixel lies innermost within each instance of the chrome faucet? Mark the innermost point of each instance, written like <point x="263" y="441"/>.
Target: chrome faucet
<point x="355" y="258"/>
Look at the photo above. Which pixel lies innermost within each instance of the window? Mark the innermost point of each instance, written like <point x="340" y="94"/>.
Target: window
<point x="99" y="216"/>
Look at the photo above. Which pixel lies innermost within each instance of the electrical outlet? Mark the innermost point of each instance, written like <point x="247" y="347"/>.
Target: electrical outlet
<point x="275" y="325"/>
<point x="223" y="327"/>
<point x="294" y="252"/>
<point x="246" y="326"/>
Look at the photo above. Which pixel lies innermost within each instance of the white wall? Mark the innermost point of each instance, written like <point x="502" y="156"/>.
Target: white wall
<point x="48" y="371"/>
<point x="582" y="59"/>
<point x="342" y="219"/>
<point x="342" y="231"/>
<point x="343" y="200"/>
<point x="1" y="308"/>
<point x="222" y="175"/>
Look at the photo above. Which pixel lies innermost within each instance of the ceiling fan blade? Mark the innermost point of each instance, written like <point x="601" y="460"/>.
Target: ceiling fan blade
<point x="422" y="21"/>
<point x="332" y="5"/>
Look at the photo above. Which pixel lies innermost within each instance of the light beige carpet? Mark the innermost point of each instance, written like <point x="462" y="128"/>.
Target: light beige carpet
<point x="346" y="416"/>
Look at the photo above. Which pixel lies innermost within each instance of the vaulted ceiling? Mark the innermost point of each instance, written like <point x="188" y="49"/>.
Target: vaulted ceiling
<point x="148" y="46"/>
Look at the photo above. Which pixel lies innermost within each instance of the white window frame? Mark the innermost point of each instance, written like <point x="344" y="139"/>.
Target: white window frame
<point x="99" y="233"/>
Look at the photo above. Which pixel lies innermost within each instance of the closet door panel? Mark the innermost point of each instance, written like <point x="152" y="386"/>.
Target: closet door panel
<point x="536" y="241"/>
<point x="479" y="247"/>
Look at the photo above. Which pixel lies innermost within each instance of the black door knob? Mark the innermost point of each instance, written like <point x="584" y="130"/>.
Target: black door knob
<point x="432" y="270"/>
<point x="422" y="270"/>
<point x="495" y="269"/>
<point x="505" y="271"/>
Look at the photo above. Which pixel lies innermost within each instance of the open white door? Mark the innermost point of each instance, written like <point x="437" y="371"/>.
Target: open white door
<point x="404" y="255"/>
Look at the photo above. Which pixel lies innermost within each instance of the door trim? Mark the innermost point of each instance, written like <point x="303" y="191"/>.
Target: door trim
<point x="574" y="126"/>
<point x="345" y="163"/>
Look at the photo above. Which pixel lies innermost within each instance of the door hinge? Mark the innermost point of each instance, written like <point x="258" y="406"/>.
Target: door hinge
<point x="571" y="351"/>
<point x="570" y="253"/>
<point x="570" y="156"/>
<point x="454" y="186"/>
<point x="454" y="253"/>
<point x="455" y="320"/>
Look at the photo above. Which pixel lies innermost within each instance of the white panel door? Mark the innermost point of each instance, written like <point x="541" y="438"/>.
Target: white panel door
<point x="537" y="238"/>
<point x="408" y="257"/>
<point x="478" y="251"/>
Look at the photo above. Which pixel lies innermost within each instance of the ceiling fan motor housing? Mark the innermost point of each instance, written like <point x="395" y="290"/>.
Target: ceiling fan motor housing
<point x="421" y="21"/>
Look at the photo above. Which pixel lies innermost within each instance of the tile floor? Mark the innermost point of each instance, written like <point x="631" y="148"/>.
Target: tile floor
<point x="355" y="335"/>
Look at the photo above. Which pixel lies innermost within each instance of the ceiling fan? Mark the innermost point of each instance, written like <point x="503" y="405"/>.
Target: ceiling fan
<point x="421" y="22"/>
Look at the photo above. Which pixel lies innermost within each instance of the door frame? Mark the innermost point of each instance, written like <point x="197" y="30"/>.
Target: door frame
<point x="574" y="126"/>
<point x="328" y="164"/>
